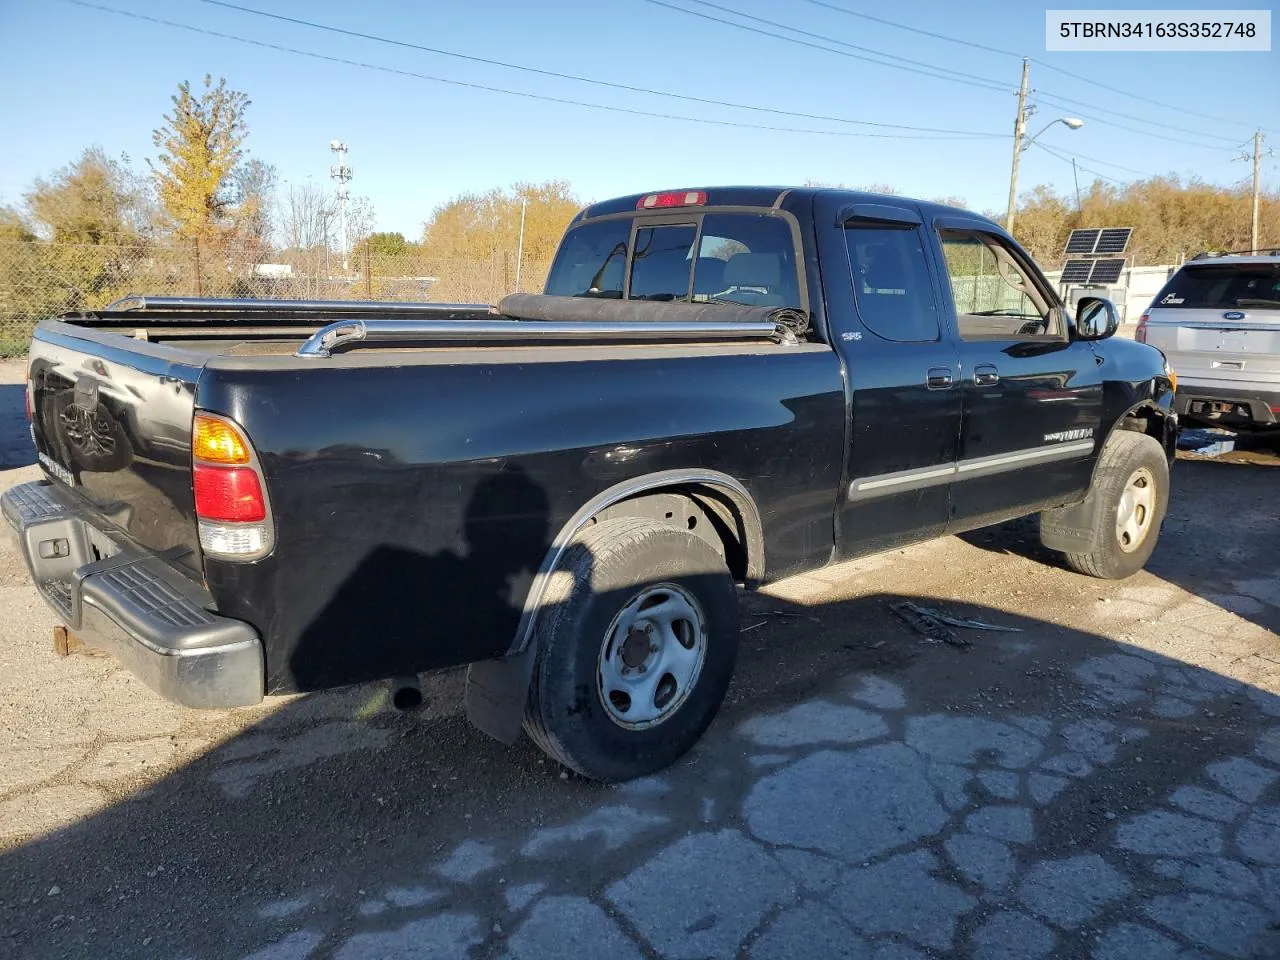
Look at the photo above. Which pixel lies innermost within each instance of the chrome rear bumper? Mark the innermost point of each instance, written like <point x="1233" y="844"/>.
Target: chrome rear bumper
<point x="127" y="601"/>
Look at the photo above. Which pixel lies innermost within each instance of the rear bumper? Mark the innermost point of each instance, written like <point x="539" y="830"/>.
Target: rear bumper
<point x="130" y="603"/>
<point x="1251" y="404"/>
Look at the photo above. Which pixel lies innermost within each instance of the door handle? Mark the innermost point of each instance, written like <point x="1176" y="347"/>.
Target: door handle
<point x="985" y="375"/>
<point x="939" y="378"/>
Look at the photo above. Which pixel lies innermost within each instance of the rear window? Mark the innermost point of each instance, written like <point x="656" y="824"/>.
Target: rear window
<point x="592" y="261"/>
<point x="1224" y="287"/>
<point x="740" y="258"/>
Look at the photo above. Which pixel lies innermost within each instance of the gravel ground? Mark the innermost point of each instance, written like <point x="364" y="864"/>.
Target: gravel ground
<point x="1103" y="784"/>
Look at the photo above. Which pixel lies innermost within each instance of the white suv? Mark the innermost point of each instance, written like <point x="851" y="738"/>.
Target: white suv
<point x="1217" y="321"/>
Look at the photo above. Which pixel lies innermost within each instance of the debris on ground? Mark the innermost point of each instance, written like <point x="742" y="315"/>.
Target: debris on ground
<point x="1206" y="442"/>
<point x="936" y="626"/>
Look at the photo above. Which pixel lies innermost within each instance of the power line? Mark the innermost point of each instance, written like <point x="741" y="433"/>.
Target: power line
<point x="903" y="26"/>
<point x="1010" y="53"/>
<point x="1059" y="100"/>
<point x="911" y="66"/>
<point x="581" y="79"/>
<point x="515" y="93"/>
<point x="1138" y="96"/>
<point x="1066" y="158"/>
<point x="930" y="70"/>
<point x="1108" y="163"/>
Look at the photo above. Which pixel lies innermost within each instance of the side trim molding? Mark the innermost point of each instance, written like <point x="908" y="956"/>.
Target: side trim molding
<point x="886" y="484"/>
<point x="625" y="490"/>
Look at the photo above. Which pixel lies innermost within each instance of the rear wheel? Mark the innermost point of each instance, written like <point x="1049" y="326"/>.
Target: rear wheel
<point x="1131" y="490"/>
<point x="635" y="649"/>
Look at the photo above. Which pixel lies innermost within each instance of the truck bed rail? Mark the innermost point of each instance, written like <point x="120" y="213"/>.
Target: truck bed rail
<point x="350" y="334"/>
<point x="128" y="311"/>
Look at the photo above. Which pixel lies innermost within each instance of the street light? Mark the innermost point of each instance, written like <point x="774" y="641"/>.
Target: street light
<point x="1074" y="123"/>
<point x="1020" y="144"/>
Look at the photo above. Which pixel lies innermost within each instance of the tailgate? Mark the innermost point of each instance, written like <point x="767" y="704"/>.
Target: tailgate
<point x="1206" y="345"/>
<point x="1219" y="320"/>
<point x="111" y="419"/>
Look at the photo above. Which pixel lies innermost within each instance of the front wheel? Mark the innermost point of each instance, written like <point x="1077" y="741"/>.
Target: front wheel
<point x="635" y="649"/>
<point x="1131" y="490"/>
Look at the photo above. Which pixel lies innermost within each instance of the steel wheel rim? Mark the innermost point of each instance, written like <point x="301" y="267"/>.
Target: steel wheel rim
<point x="651" y="656"/>
<point x="1136" y="509"/>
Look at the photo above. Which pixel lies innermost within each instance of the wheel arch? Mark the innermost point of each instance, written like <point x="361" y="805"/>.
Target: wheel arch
<point x="1149" y="417"/>
<point x="717" y="496"/>
<point x="1070" y="528"/>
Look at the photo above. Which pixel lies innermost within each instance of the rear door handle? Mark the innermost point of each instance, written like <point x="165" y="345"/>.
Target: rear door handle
<point x="985" y="375"/>
<point x="939" y="378"/>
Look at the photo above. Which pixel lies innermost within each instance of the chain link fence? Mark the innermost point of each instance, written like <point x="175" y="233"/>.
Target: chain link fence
<point x="40" y="279"/>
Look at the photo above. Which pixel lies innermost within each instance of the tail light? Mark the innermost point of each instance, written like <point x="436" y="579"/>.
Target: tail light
<point x="1141" y="333"/>
<point x="232" y="510"/>
<point x="30" y="408"/>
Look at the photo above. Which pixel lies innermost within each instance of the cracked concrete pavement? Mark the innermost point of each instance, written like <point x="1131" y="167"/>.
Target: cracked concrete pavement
<point x="1104" y="784"/>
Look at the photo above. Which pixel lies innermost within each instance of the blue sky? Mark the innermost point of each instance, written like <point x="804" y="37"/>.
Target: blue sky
<point x="74" y="76"/>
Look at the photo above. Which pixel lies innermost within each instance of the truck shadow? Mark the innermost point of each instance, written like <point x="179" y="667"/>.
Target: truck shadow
<point x="1210" y="544"/>
<point x="327" y="830"/>
<point x="16" y="449"/>
<point x="402" y="611"/>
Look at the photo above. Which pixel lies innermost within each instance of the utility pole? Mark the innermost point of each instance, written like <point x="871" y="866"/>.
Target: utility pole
<point x="1256" y="156"/>
<point x="1257" y="189"/>
<point x="1019" y="131"/>
<point x="342" y="173"/>
<point x="1076" y="177"/>
<point x="524" y="206"/>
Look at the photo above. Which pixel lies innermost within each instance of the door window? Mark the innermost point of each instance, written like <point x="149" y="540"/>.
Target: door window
<point x="995" y="298"/>
<point x="892" y="287"/>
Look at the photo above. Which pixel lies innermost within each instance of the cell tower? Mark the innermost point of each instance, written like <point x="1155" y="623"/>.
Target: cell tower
<point x="342" y="173"/>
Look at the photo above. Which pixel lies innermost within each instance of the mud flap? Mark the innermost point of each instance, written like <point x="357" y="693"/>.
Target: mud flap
<point x="1070" y="529"/>
<point x="496" y="694"/>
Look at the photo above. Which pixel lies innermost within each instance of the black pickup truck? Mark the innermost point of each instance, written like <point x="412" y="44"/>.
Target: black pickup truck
<point x="719" y="388"/>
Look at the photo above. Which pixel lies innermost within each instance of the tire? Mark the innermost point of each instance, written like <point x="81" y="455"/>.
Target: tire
<point x="617" y="569"/>
<point x="1129" y="459"/>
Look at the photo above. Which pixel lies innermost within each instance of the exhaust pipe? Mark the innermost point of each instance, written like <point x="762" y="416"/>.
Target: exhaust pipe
<point x="406" y="693"/>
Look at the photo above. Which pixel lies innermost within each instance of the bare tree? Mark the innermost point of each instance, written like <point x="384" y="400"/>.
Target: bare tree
<point x="253" y="183"/>
<point x="361" y="220"/>
<point x="307" y="216"/>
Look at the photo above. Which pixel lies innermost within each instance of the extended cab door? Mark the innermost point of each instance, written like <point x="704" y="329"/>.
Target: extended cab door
<point x="1032" y="396"/>
<point x="884" y="311"/>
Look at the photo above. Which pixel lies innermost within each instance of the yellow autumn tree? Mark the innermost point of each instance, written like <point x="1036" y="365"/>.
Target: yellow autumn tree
<point x="200" y="145"/>
<point x="1171" y="218"/>
<point x="478" y="226"/>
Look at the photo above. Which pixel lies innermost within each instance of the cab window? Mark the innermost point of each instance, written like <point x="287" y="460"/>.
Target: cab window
<point x="747" y="259"/>
<point x="995" y="298"/>
<point x="739" y="258"/>
<point x="891" y="284"/>
<point x="591" y="261"/>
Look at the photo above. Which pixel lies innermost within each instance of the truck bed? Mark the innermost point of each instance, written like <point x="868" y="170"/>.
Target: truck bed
<point x="430" y="473"/>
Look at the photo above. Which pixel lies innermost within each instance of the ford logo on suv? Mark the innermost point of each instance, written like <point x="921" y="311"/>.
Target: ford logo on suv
<point x="1233" y="315"/>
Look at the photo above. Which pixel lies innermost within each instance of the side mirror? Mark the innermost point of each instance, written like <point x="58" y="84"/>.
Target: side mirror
<point x="1096" y="318"/>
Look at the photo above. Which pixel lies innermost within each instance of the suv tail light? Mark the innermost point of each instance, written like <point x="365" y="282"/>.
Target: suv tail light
<point x="1141" y="333"/>
<point x="230" y="494"/>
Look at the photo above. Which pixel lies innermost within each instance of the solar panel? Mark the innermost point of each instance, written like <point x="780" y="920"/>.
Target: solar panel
<point x="1082" y="241"/>
<point x="1107" y="271"/>
<point x="1076" y="271"/>
<point x="1113" y="240"/>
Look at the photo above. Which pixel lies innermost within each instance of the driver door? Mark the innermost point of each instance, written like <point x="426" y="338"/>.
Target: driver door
<point x="1031" y="397"/>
